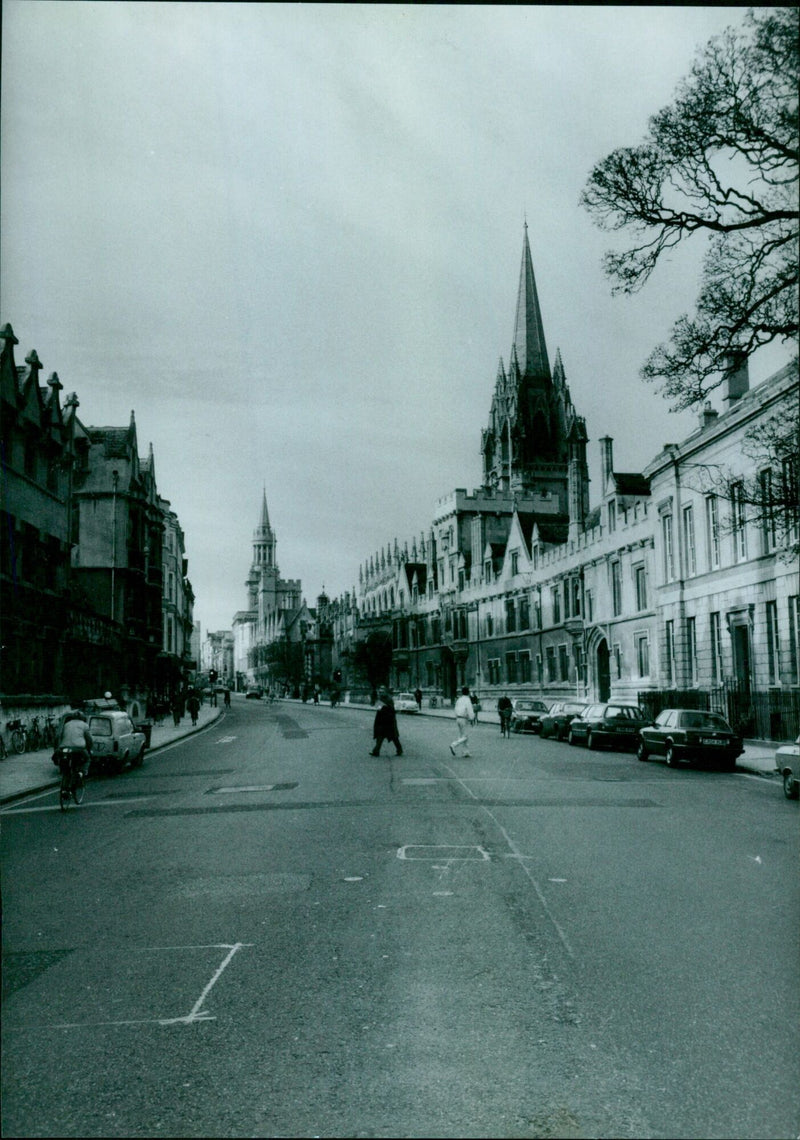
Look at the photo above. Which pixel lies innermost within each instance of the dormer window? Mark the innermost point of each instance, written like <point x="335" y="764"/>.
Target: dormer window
<point x="612" y="516"/>
<point x="515" y="562"/>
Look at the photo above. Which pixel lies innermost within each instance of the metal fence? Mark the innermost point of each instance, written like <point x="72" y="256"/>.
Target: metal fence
<point x="772" y="714"/>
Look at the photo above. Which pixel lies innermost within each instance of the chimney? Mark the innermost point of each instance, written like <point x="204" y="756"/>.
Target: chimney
<point x="708" y="416"/>
<point x="737" y="376"/>
<point x="606" y="461"/>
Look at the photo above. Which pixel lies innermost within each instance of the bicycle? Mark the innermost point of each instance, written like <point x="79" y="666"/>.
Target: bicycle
<point x="19" y="735"/>
<point x="3" y="749"/>
<point x="50" y="733"/>
<point x="35" y="736"/>
<point x="73" y="784"/>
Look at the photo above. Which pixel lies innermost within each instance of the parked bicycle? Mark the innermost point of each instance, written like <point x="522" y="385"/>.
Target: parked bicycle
<point x="18" y="735"/>
<point x="50" y="732"/>
<point x="73" y="784"/>
<point x="3" y="749"/>
<point x="35" y="736"/>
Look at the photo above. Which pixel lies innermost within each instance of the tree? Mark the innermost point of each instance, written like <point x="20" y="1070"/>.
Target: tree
<point x="721" y="161"/>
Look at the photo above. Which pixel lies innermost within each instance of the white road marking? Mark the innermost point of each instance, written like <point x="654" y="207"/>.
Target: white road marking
<point x="439" y="850"/>
<point x="225" y="739"/>
<point x="195" y="1013"/>
<point x="523" y="864"/>
<point x="248" y="788"/>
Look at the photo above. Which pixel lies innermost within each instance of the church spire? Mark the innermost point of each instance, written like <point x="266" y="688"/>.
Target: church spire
<point x="264" y="524"/>
<point x="531" y="350"/>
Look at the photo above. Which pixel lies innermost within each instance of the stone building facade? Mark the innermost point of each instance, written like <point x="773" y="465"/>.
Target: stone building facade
<point x="81" y="568"/>
<point x="520" y="587"/>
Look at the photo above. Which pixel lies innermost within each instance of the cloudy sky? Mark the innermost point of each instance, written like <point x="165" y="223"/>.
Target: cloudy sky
<point x="288" y="237"/>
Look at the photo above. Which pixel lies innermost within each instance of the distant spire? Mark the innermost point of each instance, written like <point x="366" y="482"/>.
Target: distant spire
<point x="531" y="350"/>
<point x="264" y="524"/>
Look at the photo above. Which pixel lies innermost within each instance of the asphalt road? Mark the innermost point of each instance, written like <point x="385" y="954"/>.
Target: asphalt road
<point x="266" y="932"/>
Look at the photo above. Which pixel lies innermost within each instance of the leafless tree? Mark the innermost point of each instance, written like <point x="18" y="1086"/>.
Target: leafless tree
<point x="721" y="161"/>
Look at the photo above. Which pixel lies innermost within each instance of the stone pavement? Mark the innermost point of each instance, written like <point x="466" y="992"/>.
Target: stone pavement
<point x="35" y="771"/>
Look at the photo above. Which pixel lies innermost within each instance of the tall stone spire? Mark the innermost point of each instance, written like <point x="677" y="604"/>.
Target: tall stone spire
<point x="264" y="513"/>
<point x="529" y="342"/>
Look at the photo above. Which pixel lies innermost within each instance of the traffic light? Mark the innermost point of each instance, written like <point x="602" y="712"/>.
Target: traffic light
<point x="337" y="675"/>
<point x="212" y="675"/>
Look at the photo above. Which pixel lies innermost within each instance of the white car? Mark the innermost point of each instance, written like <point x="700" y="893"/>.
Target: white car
<point x="406" y="702"/>
<point x="787" y="764"/>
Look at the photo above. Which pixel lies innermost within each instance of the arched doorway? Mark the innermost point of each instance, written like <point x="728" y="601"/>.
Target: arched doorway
<point x="603" y="671"/>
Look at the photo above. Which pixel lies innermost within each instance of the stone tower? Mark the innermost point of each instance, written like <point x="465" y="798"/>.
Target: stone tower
<point x="263" y="565"/>
<point x="535" y="443"/>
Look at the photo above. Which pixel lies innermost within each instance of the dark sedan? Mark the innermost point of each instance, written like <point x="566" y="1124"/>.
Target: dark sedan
<point x="526" y="714"/>
<point x="690" y="735"/>
<point x="558" y="720"/>
<point x="613" y="723"/>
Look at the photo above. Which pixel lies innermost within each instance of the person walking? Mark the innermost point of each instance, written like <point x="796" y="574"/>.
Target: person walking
<point x="504" y="711"/>
<point x="385" y="726"/>
<point x="418" y="698"/>
<point x="465" y="715"/>
<point x="227" y="698"/>
<point x="193" y="705"/>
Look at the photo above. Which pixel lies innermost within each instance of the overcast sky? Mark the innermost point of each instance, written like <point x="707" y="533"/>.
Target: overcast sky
<point x="288" y="237"/>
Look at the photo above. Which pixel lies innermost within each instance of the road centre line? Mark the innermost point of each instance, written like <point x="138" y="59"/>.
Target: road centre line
<point x="522" y="862"/>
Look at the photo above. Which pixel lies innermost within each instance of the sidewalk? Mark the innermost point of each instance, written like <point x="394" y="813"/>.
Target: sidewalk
<point x="35" y="771"/>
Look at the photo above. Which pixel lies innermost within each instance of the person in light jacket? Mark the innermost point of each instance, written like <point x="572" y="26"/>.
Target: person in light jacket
<point x="465" y="715"/>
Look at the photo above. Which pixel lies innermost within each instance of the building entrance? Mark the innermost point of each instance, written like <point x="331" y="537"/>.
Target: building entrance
<point x="603" y="674"/>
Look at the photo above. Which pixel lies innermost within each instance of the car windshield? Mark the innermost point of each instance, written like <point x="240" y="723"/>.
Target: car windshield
<point x="627" y="712"/>
<point x="703" y="720"/>
<point x="531" y="706"/>
<point x="100" y="726"/>
<point x="574" y="706"/>
<point x="407" y="697"/>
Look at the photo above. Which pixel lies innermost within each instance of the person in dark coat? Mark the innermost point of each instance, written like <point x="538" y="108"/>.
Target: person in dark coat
<point x="385" y="726"/>
<point x="193" y="705"/>
<point x="418" y="698"/>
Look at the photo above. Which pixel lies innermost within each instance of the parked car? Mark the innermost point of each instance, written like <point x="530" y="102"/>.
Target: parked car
<point x="115" y="741"/>
<point x="690" y="735"/>
<point x="253" y="695"/>
<point x="610" y="723"/>
<point x="557" y="721"/>
<point x="526" y="714"/>
<point x="405" y="702"/>
<point x="787" y="763"/>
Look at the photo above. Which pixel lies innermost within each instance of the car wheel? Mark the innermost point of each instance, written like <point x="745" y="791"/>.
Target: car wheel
<point x="592" y="743"/>
<point x="137" y="763"/>
<point x="671" y="758"/>
<point x="641" y="752"/>
<point x="791" y="788"/>
<point x="572" y="737"/>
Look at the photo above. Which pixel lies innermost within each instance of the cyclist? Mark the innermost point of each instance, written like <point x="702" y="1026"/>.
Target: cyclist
<point x="76" y="743"/>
